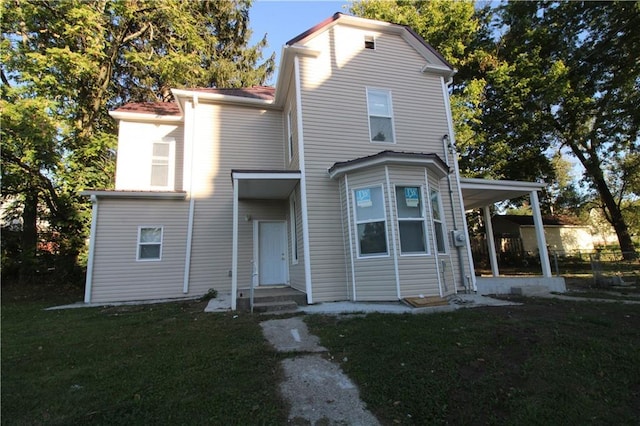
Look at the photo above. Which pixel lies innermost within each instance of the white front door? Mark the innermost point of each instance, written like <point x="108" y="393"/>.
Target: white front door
<point x="272" y="253"/>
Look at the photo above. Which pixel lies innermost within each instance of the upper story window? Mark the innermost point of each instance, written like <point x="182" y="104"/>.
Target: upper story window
<point x="162" y="163"/>
<point x="370" y="221"/>
<point x="369" y="42"/>
<point x="380" y="116"/>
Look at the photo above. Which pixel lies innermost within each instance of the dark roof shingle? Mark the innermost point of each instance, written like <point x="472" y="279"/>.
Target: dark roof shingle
<point x="156" y="108"/>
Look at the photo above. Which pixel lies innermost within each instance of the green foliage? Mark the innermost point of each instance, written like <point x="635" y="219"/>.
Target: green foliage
<point x="66" y="63"/>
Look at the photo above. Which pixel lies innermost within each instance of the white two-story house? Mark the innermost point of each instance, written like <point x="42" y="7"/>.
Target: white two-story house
<point x="341" y="182"/>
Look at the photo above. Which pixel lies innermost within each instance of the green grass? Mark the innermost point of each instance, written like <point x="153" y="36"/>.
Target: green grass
<point x="154" y="364"/>
<point x="547" y="362"/>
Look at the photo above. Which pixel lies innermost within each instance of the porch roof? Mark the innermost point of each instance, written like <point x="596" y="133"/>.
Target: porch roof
<point x="265" y="184"/>
<point x="478" y="193"/>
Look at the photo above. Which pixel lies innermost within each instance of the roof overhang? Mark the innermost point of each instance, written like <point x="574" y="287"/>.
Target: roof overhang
<point x="384" y="158"/>
<point x="265" y="184"/>
<point x="136" y="116"/>
<point x="158" y="195"/>
<point x="182" y="94"/>
<point x="478" y="193"/>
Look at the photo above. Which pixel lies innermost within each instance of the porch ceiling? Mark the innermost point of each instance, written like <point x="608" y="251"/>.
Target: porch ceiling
<point x="477" y="193"/>
<point x="265" y="184"/>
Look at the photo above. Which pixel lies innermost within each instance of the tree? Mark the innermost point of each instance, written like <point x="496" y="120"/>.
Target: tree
<point x="66" y="63"/>
<point x="576" y="75"/>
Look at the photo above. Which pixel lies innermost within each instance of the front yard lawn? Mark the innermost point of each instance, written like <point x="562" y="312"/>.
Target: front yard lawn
<point x="546" y="362"/>
<point x="152" y="364"/>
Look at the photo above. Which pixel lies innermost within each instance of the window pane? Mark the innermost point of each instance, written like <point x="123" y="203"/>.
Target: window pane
<point x="159" y="175"/>
<point x="408" y="201"/>
<point x="435" y="204"/>
<point x="412" y="236"/>
<point x="369" y="204"/>
<point x="379" y="104"/>
<point x="161" y="149"/>
<point x="372" y="238"/>
<point x="151" y="235"/>
<point x="439" y="237"/>
<point x="381" y="129"/>
<point x="150" y="251"/>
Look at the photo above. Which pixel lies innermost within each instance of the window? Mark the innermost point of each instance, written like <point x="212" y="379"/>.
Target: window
<point x="410" y="219"/>
<point x="438" y="225"/>
<point x="369" y="42"/>
<point x="149" y="243"/>
<point x="380" y="116"/>
<point x="293" y="220"/>
<point x="289" y="135"/>
<point x="370" y="221"/>
<point x="161" y="163"/>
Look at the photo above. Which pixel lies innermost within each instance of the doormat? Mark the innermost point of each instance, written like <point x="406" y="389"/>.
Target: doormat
<point x="422" y="302"/>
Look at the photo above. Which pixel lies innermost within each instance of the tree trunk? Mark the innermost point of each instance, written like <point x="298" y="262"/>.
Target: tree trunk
<point x="616" y="219"/>
<point x="29" y="239"/>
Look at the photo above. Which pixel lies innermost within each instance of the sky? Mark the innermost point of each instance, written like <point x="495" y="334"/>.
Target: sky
<point x="283" y="20"/>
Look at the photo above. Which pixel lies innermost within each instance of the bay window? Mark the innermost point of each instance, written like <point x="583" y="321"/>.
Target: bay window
<point x="370" y="221"/>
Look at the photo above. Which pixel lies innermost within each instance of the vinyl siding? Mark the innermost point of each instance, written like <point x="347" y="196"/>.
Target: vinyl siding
<point x="290" y="106"/>
<point x="229" y="137"/>
<point x="133" y="166"/>
<point x="336" y="128"/>
<point x="418" y="273"/>
<point x="117" y="275"/>
<point x="375" y="276"/>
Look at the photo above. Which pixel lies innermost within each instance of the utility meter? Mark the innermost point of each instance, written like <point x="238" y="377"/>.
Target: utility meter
<point x="458" y="238"/>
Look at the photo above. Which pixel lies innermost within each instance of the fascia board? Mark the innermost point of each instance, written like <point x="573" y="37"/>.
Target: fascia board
<point x="136" y="116"/>
<point x="175" y="195"/>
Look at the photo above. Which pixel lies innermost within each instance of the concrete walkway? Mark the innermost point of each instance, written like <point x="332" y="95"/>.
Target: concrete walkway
<point x="317" y="390"/>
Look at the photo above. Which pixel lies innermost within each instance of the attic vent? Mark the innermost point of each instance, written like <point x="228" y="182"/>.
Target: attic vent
<point x="369" y="42"/>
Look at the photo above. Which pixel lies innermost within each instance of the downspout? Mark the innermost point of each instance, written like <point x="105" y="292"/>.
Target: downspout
<point x="303" y="185"/>
<point x="92" y="247"/>
<point x="448" y="145"/>
<point x="192" y="201"/>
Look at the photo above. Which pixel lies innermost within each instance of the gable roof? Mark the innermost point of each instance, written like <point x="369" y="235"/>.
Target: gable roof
<point x="349" y="19"/>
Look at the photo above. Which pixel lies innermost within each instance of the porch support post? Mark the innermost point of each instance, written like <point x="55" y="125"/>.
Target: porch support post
<point x="491" y="243"/>
<point x="234" y="249"/>
<point x="542" y="241"/>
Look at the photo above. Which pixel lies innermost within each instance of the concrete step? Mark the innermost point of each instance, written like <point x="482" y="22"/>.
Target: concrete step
<point x="270" y="297"/>
<point x="530" y="290"/>
<point x="275" y="307"/>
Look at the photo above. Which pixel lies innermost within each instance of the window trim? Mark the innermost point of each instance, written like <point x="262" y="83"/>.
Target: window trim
<point x="171" y="163"/>
<point x="384" y="219"/>
<point x="140" y="243"/>
<point x="289" y="135"/>
<point x="441" y="221"/>
<point x="387" y="93"/>
<point x="293" y="229"/>
<point x="423" y="219"/>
